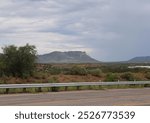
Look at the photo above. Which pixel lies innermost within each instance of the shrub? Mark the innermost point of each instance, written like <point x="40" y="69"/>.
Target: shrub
<point x="128" y="76"/>
<point x="39" y="75"/>
<point x="147" y="75"/>
<point x="76" y="70"/>
<point x="54" y="70"/>
<point x="110" y="77"/>
<point x="95" y="72"/>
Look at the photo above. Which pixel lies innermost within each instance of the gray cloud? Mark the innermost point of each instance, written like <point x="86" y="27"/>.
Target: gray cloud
<point x="107" y="29"/>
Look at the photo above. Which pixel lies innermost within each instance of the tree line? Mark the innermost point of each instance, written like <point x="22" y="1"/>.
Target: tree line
<point x="17" y="61"/>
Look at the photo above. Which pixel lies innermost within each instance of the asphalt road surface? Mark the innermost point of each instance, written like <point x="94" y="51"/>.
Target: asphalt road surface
<point x="112" y="97"/>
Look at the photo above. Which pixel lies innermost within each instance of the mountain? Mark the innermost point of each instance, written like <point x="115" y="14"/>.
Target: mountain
<point x="142" y="59"/>
<point x="66" y="57"/>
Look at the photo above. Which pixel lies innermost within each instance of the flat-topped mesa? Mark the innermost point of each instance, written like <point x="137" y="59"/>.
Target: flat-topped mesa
<point x="66" y="57"/>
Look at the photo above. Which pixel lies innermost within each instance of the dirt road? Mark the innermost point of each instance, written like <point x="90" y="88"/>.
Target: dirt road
<point x="116" y="97"/>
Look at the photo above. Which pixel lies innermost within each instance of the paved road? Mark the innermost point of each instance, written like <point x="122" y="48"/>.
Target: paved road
<point x="110" y="97"/>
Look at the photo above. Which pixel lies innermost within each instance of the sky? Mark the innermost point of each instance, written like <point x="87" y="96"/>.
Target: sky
<point x="108" y="30"/>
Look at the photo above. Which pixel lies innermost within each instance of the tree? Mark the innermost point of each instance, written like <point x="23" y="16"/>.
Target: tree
<point x="2" y="67"/>
<point x="19" y="61"/>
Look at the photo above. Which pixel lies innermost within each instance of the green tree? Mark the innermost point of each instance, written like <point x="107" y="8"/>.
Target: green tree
<point x="19" y="61"/>
<point x="2" y="67"/>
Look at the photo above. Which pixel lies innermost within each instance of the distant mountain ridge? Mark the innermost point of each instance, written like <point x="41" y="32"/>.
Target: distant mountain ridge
<point x="66" y="57"/>
<point x="141" y="59"/>
<point x="79" y="57"/>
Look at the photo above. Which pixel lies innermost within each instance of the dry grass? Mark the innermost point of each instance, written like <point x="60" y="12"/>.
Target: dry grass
<point x="65" y="78"/>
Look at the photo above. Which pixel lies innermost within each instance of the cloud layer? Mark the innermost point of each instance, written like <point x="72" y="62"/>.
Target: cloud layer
<point x="108" y="30"/>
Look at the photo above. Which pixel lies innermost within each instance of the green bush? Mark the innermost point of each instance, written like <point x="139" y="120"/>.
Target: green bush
<point x="54" y="70"/>
<point x="76" y="70"/>
<point x="40" y="75"/>
<point x="95" y="72"/>
<point x="128" y="76"/>
<point x="111" y="77"/>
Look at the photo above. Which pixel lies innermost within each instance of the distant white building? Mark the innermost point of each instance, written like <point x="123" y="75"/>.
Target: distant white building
<point x="139" y="67"/>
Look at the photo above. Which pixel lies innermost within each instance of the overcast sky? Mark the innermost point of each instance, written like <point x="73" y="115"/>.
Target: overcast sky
<point x="108" y="30"/>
